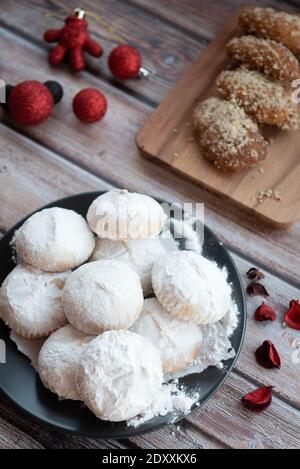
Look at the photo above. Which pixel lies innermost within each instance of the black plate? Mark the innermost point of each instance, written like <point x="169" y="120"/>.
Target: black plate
<point x="20" y="383"/>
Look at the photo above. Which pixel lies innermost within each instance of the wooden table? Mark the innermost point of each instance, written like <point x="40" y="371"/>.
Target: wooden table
<point x="63" y="157"/>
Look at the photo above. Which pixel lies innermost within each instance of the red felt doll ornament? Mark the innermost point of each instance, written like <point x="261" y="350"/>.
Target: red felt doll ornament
<point x="73" y="40"/>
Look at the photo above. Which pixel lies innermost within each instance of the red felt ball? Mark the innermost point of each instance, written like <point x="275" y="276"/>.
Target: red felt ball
<point x="89" y="105"/>
<point x="30" y="103"/>
<point x="124" y="62"/>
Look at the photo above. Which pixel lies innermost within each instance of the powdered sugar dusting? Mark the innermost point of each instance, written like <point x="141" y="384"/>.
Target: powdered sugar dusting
<point x="216" y="348"/>
<point x="171" y="398"/>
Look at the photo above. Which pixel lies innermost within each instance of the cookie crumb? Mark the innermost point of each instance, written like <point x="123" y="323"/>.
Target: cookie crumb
<point x="269" y="193"/>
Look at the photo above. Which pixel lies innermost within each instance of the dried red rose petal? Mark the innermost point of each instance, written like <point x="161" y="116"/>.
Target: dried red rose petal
<point x="255" y="274"/>
<point x="256" y="288"/>
<point x="264" y="313"/>
<point x="258" y="400"/>
<point x="292" y="316"/>
<point x="267" y="355"/>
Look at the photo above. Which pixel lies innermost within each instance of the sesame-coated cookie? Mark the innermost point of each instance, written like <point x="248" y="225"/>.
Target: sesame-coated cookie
<point x="271" y="24"/>
<point x="266" y="55"/>
<point x="265" y="100"/>
<point x="228" y="138"/>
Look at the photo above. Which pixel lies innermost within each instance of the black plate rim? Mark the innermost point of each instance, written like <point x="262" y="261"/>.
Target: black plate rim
<point x="132" y="431"/>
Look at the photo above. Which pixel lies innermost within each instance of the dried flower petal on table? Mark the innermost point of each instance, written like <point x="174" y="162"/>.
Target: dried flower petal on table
<point x="267" y="355"/>
<point x="256" y="288"/>
<point x="264" y="313"/>
<point x="292" y="316"/>
<point x="255" y="274"/>
<point x="258" y="400"/>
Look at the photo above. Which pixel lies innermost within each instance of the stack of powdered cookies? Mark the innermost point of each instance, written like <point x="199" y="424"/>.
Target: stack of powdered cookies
<point x="105" y="344"/>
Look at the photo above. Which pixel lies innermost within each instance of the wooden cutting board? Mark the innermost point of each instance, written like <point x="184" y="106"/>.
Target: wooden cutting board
<point x="167" y="137"/>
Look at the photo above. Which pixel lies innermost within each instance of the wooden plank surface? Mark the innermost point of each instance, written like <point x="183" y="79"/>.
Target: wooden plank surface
<point x="165" y="51"/>
<point x="118" y="161"/>
<point x="42" y="164"/>
<point x="204" y="18"/>
<point x="225" y="419"/>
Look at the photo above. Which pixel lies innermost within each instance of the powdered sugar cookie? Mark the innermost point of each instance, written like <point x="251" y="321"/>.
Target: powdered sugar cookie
<point x="119" y="376"/>
<point x="54" y="240"/>
<point x="190" y="287"/>
<point x="103" y="295"/>
<point x="30" y="301"/>
<point x="59" y="358"/>
<point x="179" y="342"/>
<point x="140" y="254"/>
<point x="119" y="214"/>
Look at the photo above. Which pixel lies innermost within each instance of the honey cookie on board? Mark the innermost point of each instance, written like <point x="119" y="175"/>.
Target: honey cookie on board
<point x="271" y="24"/>
<point x="268" y="56"/>
<point x="265" y="100"/>
<point x="228" y="138"/>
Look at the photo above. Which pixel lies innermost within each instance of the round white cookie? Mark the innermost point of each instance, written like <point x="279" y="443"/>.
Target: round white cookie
<point x="179" y="342"/>
<point x="59" y="358"/>
<point x="30" y="301"/>
<point x="54" y="240"/>
<point x="140" y="254"/>
<point x="119" y="214"/>
<point x="190" y="287"/>
<point x="119" y="376"/>
<point x="103" y="295"/>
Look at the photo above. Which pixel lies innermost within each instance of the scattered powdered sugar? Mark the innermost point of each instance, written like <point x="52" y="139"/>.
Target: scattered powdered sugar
<point x="216" y="348"/>
<point x="171" y="398"/>
<point x="216" y="345"/>
<point x="231" y="319"/>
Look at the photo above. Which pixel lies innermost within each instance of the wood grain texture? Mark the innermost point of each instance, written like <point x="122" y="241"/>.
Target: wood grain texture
<point x="158" y="140"/>
<point x="205" y="18"/>
<point x="286" y="340"/>
<point x="44" y="437"/>
<point x="31" y="176"/>
<point x="13" y="438"/>
<point x="165" y="51"/>
<point x="224" y="418"/>
<point x="109" y="152"/>
<point x="181" y="436"/>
